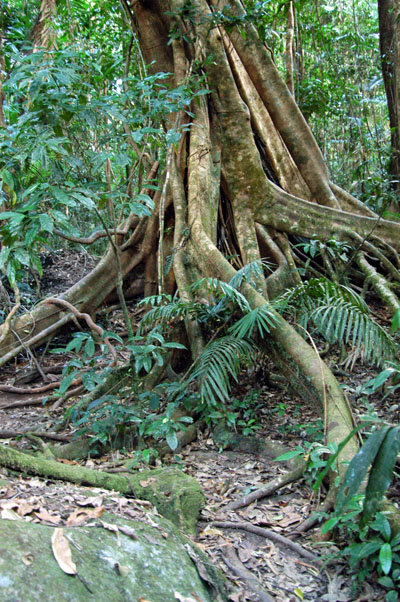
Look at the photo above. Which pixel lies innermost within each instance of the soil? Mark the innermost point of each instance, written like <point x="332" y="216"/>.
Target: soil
<point x="224" y="475"/>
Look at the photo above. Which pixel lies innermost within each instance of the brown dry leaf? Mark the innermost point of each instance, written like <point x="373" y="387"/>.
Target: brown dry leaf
<point x="9" y="505"/>
<point x="34" y="483"/>
<point x="211" y="531"/>
<point x="128" y="531"/>
<point x="114" y="529"/>
<point x="80" y="517"/>
<point x="7" y="492"/>
<point x="62" y="552"/>
<point x="25" y="508"/>
<point x="44" y="516"/>
<point x="143" y="503"/>
<point x="289" y="519"/>
<point x="90" y="501"/>
<point x="244" y="554"/>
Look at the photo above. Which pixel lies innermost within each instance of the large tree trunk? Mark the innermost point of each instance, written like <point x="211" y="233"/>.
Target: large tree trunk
<point x="250" y="154"/>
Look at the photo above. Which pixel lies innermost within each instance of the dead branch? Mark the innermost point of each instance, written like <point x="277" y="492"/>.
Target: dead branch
<point x="269" y="489"/>
<point x="10" y="434"/>
<point x="30" y="390"/>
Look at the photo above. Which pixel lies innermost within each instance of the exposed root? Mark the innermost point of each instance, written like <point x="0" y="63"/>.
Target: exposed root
<point x="275" y="537"/>
<point x="232" y="562"/>
<point x="98" y="330"/>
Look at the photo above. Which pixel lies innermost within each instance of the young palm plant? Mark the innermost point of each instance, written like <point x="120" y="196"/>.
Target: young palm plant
<point x="340" y="315"/>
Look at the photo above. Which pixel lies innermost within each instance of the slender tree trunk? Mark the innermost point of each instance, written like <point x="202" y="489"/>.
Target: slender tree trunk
<point x="389" y="40"/>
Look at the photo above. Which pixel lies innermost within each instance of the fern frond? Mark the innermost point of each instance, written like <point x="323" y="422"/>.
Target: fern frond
<point x="220" y="361"/>
<point x="261" y="318"/>
<point x="340" y="315"/>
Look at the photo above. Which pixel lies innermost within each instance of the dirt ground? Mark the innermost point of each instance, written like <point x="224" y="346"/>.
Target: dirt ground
<point x="224" y="475"/>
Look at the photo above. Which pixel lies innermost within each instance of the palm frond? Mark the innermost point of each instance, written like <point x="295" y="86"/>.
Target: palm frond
<point x="250" y="273"/>
<point x="220" y="361"/>
<point x="339" y="314"/>
<point x="227" y="291"/>
<point x="261" y="318"/>
<point x="164" y="314"/>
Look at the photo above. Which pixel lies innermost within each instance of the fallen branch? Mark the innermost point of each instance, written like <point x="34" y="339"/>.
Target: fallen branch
<point x="9" y="434"/>
<point x="30" y="390"/>
<point x="22" y="404"/>
<point x="275" y="537"/>
<point x="232" y="562"/>
<point x="40" y="336"/>
<point x="269" y="489"/>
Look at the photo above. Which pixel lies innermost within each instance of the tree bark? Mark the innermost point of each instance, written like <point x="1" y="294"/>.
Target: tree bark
<point x="389" y="41"/>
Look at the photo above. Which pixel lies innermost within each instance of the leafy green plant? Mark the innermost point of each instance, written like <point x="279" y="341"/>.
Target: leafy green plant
<point x="391" y="370"/>
<point x="105" y="420"/>
<point x="358" y="517"/>
<point x="371" y="547"/>
<point x="240" y="415"/>
<point x="164" y="426"/>
<point x="340" y="315"/>
<point x="318" y="458"/>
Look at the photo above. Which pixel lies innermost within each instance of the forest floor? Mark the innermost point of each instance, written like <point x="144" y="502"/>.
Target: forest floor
<point x="224" y="475"/>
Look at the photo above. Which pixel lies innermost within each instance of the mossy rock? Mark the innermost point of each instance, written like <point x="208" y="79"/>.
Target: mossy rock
<point x="154" y="565"/>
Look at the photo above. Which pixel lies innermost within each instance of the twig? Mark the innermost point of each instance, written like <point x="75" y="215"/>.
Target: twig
<point x="276" y="537"/>
<point x="312" y="520"/>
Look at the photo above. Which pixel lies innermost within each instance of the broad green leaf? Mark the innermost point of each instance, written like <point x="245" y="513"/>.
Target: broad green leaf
<point x="396" y="321"/>
<point x="22" y="256"/>
<point x="172" y="440"/>
<point x="46" y="223"/>
<point x="62" y="197"/>
<point x="65" y="383"/>
<point x="289" y="455"/>
<point x="385" y="558"/>
<point x="358" y="467"/>
<point x="381" y="472"/>
<point x="329" y="524"/>
<point x="386" y="582"/>
<point x="12" y="214"/>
